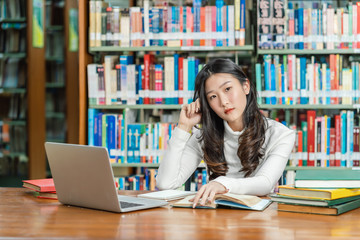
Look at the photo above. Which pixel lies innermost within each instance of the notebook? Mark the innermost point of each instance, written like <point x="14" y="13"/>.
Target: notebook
<point x="83" y="177"/>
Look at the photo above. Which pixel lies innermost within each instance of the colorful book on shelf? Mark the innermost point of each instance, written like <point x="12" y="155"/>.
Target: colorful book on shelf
<point x="330" y="210"/>
<point x="229" y="200"/>
<point x="311" y="201"/>
<point x="312" y="193"/>
<point x="40" y="185"/>
<point x="327" y="178"/>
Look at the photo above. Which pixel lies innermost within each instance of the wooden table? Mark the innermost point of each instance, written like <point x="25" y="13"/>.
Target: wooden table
<point x="24" y="216"/>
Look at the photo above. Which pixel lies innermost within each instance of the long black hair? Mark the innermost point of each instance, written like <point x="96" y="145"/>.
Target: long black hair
<point x="250" y="149"/>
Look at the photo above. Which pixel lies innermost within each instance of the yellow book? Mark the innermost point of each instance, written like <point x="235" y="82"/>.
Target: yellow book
<point x="327" y="194"/>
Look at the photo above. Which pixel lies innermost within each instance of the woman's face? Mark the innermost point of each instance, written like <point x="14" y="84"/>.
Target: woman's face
<point x="227" y="98"/>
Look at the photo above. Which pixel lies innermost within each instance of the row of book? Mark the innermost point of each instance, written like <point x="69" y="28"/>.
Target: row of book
<point x="327" y="141"/>
<point x="325" y="192"/>
<point x="14" y="136"/>
<point x="13" y="107"/>
<point x="119" y="81"/>
<point x="10" y="9"/>
<point x="145" y="180"/>
<point x="290" y="80"/>
<point x="308" y="25"/>
<point x="128" y="143"/>
<point x="172" y="26"/>
<point x="12" y="73"/>
<point x="142" y="181"/>
<point x="13" y="166"/>
<point x="12" y="37"/>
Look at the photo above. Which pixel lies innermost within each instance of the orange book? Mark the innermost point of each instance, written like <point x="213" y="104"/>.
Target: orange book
<point x="311" y="115"/>
<point x="333" y="79"/>
<point x="40" y="185"/>
<point x="202" y="24"/>
<point x="181" y="78"/>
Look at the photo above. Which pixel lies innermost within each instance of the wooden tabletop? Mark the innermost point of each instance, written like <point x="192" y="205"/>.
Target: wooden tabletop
<point x="24" y="216"/>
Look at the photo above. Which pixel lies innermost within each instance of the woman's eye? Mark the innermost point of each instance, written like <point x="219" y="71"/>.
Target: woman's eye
<point x="212" y="97"/>
<point x="227" y="89"/>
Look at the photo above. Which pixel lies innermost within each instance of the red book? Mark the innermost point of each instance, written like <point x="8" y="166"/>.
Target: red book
<point x="40" y="185"/>
<point x="337" y="140"/>
<point x="300" y="147"/>
<point x="181" y="79"/>
<point x="148" y="60"/>
<point x="311" y="115"/>
<point x="358" y="21"/>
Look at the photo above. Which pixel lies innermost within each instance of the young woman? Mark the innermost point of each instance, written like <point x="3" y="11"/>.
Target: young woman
<point x="245" y="153"/>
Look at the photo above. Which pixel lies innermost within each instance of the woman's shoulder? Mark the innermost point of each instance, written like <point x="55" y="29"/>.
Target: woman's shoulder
<point x="276" y="129"/>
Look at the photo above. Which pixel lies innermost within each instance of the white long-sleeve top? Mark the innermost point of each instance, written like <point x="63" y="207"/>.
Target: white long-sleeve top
<point x="184" y="154"/>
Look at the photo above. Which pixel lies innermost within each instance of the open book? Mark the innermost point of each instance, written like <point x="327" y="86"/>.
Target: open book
<point x="230" y="200"/>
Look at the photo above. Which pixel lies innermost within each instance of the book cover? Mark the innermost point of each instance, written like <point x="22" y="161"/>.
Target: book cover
<point x="229" y="200"/>
<point x="326" y="194"/>
<point x="311" y="202"/>
<point x="40" y="185"/>
<point x="46" y="195"/>
<point x="332" y="210"/>
<point x="328" y="178"/>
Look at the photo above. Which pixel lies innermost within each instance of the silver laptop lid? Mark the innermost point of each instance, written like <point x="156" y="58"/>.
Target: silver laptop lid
<point x="83" y="176"/>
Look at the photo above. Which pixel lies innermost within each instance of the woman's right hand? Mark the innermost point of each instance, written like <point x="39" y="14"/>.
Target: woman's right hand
<point x="190" y="115"/>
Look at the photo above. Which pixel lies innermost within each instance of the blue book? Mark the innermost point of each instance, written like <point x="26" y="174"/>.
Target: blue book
<point x="99" y="129"/>
<point x="124" y="61"/>
<point x="283" y="100"/>
<point x="355" y="84"/>
<point x="301" y="28"/>
<point x="111" y="134"/>
<point x="303" y="85"/>
<point x="328" y="85"/>
<point x="273" y="83"/>
<point x="191" y="76"/>
<point x="136" y="142"/>
<point x="343" y="127"/>
<point x="328" y="126"/>
<point x="175" y="99"/>
<point x="219" y="27"/>
<point x="139" y="84"/>
<point x="155" y="24"/>
<point x="91" y="125"/>
<point x="196" y="6"/>
<point x="161" y="28"/>
<point x="350" y="138"/>
<point x="296" y="21"/>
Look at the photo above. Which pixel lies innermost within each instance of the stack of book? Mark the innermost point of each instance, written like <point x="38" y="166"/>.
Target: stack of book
<point x="42" y="188"/>
<point x="326" y="192"/>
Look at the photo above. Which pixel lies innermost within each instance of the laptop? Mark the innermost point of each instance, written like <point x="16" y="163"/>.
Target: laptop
<point x="83" y="177"/>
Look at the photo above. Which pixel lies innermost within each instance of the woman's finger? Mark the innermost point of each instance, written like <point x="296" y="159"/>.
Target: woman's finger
<point x="198" y="196"/>
<point x="204" y="197"/>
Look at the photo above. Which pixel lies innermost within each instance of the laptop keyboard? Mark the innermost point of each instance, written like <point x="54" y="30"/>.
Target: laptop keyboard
<point x="129" y="204"/>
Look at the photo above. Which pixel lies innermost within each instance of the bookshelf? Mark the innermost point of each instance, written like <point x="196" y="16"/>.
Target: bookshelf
<point x="331" y="47"/>
<point x="31" y="163"/>
<point x="93" y="54"/>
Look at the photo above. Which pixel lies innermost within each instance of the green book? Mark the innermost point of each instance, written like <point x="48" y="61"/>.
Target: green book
<point x="331" y="210"/>
<point x="327" y="178"/>
<point x="311" y="202"/>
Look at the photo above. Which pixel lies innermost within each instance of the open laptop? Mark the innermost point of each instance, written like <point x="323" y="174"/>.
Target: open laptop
<point x="83" y="177"/>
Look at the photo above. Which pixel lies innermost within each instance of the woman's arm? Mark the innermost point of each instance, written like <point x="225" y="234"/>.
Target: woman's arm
<point x="183" y="154"/>
<point x="182" y="157"/>
<point x="269" y="173"/>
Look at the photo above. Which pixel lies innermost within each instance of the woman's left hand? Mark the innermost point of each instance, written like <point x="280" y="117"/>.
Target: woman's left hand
<point x="207" y="193"/>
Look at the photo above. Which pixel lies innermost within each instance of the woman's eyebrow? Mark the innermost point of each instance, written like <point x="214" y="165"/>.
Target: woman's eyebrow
<point x="219" y="87"/>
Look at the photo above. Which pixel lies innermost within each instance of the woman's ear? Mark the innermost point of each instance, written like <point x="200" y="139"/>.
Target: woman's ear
<point x="246" y="86"/>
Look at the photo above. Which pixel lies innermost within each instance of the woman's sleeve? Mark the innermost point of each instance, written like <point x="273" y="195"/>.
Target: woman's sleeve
<point x="269" y="173"/>
<point x="182" y="157"/>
